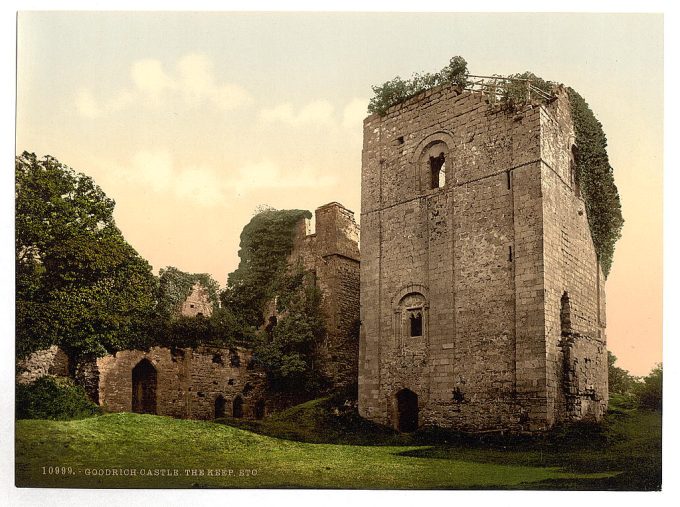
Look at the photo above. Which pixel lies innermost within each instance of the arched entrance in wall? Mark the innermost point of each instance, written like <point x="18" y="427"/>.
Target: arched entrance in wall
<point x="237" y="408"/>
<point x="144" y="388"/>
<point x="220" y="407"/>
<point x="259" y="409"/>
<point x="407" y="411"/>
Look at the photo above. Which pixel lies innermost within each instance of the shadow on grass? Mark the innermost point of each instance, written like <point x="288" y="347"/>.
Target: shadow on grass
<point x="627" y="444"/>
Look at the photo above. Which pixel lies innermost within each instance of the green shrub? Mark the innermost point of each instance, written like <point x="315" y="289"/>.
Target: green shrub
<point x="53" y="398"/>
<point x="398" y="90"/>
<point x="650" y="390"/>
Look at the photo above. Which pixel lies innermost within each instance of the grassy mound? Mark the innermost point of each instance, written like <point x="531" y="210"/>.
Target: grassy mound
<point x="144" y="451"/>
<point x="323" y="420"/>
<point x="293" y="449"/>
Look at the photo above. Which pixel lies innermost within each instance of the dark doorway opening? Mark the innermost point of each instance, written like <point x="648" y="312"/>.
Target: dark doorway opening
<point x="237" y="410"/>
<point x="407" y="411"/>
<point x="144" y="388"/>
<point x="220" y="406"/>
<point x="259" y="409"/>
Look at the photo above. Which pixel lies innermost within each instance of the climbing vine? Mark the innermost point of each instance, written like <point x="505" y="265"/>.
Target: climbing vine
<point x="398" y="90"/>
<point x="266" y="242"/>
<point x="175" y="286"/>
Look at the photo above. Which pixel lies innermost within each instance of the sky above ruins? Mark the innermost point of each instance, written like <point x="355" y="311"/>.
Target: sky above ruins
<point x="191" y="120"/>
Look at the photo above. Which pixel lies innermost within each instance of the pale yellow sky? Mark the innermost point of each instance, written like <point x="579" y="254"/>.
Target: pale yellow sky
<point x="191" y="120"/>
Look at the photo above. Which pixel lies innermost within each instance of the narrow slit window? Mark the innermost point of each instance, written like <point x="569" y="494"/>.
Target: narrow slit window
<point x="508" y="179"/>
<point x="510" y="254"/>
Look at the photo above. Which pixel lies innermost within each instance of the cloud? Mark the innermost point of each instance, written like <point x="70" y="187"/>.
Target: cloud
<point x="196" y="80"/>
<point x="316" y="113"/>
<point x="89" y="107"/>
<point x="155" y="170"/>
<point x="354" y="113"/>
<point x="268" y="175"/>
<point x="193" y="82"/>
<point x="150" y="77"/>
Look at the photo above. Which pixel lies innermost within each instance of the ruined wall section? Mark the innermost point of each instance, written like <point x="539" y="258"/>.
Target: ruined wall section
<point x="52" y="361"/>
<point x="331" y="254"/>
<point x="450" y="246"/>
<point x="574" y="284"/>
<point x="197" y="302"/>
<point x="188" y="380"/>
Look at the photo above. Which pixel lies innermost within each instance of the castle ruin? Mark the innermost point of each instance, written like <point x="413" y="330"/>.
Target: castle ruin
<point x="331" y="255"/>
<point x="209" y="382"/>
<point x="482" y="299"/>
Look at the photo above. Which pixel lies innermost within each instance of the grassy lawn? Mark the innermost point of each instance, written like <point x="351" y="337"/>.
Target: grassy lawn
<point x="310" y="447"/>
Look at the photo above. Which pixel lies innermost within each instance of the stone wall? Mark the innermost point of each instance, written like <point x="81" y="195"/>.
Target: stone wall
<point x="51" y="361"/>
<point x="188" y="381"/>
<point x="462" y="248"/>
<point x="331" y="254"/>
<point x="197" y="302"/>
<point x="574" y="283"/>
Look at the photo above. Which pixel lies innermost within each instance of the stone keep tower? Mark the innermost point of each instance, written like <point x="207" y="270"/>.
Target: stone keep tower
<point x="482" y="299"/>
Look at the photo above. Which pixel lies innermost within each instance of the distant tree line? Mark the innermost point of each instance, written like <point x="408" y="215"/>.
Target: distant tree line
<point x="628" y="391"/>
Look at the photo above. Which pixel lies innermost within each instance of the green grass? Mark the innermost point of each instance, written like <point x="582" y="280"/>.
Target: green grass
<point x="622" y="454"/>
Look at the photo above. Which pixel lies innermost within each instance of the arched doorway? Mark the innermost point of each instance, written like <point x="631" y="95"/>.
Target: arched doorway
<point x="407" y="411"/>
<point x="220" y="406"/>
<point x="237" y="410"/>
<point x="144" y="388"/>
<point x="259" y="409"/>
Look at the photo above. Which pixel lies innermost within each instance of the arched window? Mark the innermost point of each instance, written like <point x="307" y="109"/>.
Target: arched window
<point x="434" y="166"/>
<point x="573" y="173"/>
<point x="438" y="170"/>
<point x="237" y="407"/>
<point x="410" y="319"/>
<point x="259" y="409"/>
<point x="220" y="406"/>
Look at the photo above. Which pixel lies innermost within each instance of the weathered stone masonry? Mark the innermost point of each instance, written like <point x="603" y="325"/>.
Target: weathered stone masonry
<point x="482" y="301"/>
<point x="208" y="382"/>
<point x="197" y="302"/>
<point x="331" y="254"/>
<point x="201" y="383"/>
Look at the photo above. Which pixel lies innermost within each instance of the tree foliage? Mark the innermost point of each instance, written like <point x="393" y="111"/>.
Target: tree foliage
<point x="650" y="389"/>
<point x="174" y="286"/>
<point x="266" y="242"/>
<point x="288" y="350"/>
<point x="398" y="90"/>
<point x="619" y="380"/>
<point x="79" y="284"/>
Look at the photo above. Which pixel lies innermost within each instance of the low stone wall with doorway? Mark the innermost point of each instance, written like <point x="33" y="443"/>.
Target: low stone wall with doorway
<point x="202" y="383"/>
